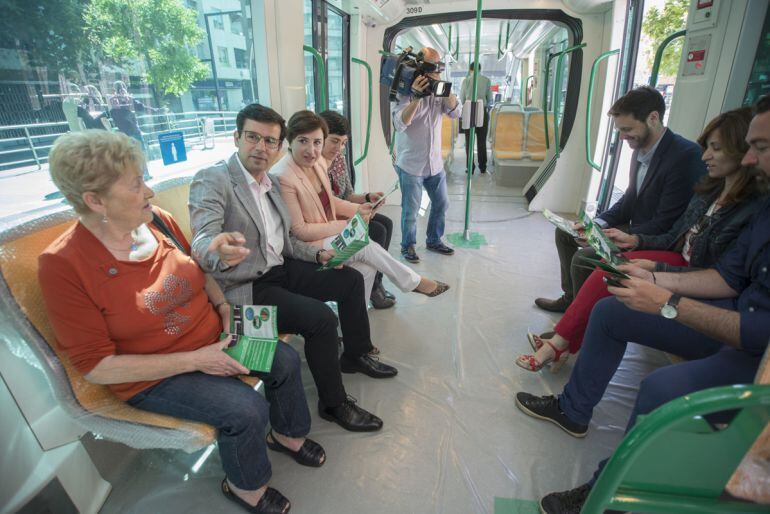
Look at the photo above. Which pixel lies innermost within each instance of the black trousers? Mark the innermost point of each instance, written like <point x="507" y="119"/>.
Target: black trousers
<point x="380" y="231"/>
<point x="299" y="291"/>
<point x="572" y="275"/>
<point x="481" y="143"/>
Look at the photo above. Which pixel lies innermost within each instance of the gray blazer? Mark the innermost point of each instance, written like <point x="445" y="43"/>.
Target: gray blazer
<point x="221" y="201"/>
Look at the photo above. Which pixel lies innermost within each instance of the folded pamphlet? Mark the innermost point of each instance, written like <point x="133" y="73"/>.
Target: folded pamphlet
<point x="254" y="329"/>
<point x="353" y="238"/>
<point x="603" y="266"/>
<point x="599" y="241"/>
<point x="561" y="223"/>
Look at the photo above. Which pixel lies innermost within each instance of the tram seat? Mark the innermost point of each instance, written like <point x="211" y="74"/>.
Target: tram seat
<point x="674" y="460"/>
<point x="536" y="147"/>
<point x="449" y="131"/>
<point x="508" y="141"/>
<point x="92" y="406"/>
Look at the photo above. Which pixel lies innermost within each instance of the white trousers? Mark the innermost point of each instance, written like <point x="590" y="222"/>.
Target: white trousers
<point x="373" y="258"/>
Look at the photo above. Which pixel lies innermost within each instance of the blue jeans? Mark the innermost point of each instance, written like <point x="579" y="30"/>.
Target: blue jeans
<point x="239" y="413"/>
<point x="711" y="363"/>
<point x="411" y="194"/>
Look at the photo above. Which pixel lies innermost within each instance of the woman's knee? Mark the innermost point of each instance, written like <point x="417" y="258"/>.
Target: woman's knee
<point x="250" y="413"/>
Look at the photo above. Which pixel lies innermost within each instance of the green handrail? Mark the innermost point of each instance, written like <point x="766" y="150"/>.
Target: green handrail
<point x="471" y="130"/>
<point x="524" y="90"/>
<point x="597" y="61"/>
<point x="556" y="96"/>
<point x="673" y="416"/>
<point x="368" y="110"/>
<point x="659" y="55"/>
<point x="321" y="75"/>
<point x="500" y="51"/>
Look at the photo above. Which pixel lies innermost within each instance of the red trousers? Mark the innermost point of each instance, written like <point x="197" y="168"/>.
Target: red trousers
<point x="572" y="325"/>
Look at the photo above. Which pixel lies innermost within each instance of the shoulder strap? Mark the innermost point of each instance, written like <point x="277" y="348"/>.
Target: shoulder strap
<point x="161" y="225"/>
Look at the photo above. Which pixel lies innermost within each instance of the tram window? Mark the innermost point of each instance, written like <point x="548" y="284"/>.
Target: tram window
<point x="59" y="72"/>
<point x="759" y="80"/>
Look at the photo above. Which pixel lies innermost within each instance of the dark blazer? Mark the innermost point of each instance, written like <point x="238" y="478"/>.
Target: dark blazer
<point x="221" y="201"/>
<point x="712" y="240"/>
<point x="666" y="190"/>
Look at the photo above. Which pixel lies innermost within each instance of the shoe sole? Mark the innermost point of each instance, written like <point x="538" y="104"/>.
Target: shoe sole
<point x="413" y="261"/>
<point x="332" y="419"/>
<point x="440" y="252"/>
<point x="533" y="414"/>
<point x="350" y="371"/>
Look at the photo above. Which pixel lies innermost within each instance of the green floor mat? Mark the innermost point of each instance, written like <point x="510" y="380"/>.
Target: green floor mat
<point x="514" y="506"/>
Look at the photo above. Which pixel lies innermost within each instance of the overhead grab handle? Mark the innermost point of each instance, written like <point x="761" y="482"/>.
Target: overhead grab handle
<point x="368" y="110"/>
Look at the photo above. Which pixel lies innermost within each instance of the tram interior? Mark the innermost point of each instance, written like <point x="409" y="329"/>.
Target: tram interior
<point x="453" y="440"/>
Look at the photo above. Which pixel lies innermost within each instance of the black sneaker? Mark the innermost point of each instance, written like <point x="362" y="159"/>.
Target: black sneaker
<point x="566" y="502"/>
<point x="410" y="255"/>
<point x="547" y="408"/>
<point x="441" y="248"/>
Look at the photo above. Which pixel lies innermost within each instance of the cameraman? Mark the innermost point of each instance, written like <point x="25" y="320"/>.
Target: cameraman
<point x="417" y="120"/>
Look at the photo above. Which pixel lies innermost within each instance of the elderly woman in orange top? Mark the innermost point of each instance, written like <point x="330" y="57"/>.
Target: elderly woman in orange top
<point x="318" y="216"/>
<point x="131" y="309"/>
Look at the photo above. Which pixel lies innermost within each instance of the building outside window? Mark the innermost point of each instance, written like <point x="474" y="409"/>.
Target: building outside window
<point x="240" y="58"/>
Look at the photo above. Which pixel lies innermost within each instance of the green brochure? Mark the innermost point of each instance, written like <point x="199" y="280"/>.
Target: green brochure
<point x="604" y="266"/>
<point x="352" y="239"/>
<point x="255" y="330"/>
<point x="599" y="241"/>
<point x="560" y="223"/>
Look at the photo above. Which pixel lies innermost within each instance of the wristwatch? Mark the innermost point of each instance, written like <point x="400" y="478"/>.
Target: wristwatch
<point x="668" y="310"/>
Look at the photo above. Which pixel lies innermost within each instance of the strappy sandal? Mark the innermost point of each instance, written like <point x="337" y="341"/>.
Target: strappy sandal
<point x="530" y="363"/>
<point x="272" y="502"/>
<point x="310" y="454"/>
<point x="536" y="341"/>
<point x="440" y="288"/>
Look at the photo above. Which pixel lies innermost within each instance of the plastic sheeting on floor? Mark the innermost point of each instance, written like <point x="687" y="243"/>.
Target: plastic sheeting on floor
<point x="453" y="440"/>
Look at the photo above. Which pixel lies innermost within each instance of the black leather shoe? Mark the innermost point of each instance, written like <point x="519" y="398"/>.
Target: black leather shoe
<point x="367" y="365"/>
<point x="410" y="255"/>
<point x="379" y="300"/>
<point x="350" y="416"/>
<point x="441" y="248"/>
<point x="558" y="305"/>
<point x="567" y="502"/>
<point x="547" y="409"/>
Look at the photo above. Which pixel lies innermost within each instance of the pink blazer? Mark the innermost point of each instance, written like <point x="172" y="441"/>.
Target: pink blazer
<point x="308" y="219"/>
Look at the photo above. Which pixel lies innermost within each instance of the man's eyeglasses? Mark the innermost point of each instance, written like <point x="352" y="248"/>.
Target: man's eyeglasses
<point x="254" y="139"/>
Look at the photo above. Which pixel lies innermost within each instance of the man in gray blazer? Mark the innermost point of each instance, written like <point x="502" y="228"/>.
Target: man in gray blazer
<point x="241" y="236"/>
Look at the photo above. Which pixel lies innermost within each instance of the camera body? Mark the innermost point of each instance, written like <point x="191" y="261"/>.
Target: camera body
<point x="399" y="72"/>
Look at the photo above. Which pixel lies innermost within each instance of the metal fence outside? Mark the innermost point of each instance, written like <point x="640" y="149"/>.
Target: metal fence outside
<point x="24" y="148"/>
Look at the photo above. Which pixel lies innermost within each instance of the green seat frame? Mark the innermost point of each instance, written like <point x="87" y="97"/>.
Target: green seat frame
<point x="673" y="460"/>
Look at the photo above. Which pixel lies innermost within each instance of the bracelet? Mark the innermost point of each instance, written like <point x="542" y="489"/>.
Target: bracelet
<point x="366" y="196"/>
<point x="218" y="305"/>
<point x="653" y="278"/>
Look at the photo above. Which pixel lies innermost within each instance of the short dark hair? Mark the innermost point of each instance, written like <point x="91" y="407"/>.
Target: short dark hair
<point x="262" y="114"/>
<point x="303" y="122"/>
<point x="336" y="122"/>
<point x="471" y="66"/>
<point x="762" y="105"/>
<point x="639" y="103"/>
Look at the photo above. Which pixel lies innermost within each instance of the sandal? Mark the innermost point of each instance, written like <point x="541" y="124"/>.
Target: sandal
<point x="272" y="502"/>
<point x="310" y="454"/>
<point x="530" y="363"/>
<point x="440" y="288"/>
<point x="536" y="341"/>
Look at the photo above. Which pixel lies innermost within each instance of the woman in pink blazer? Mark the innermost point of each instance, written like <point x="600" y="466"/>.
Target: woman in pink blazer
<point x="317" y="216"/>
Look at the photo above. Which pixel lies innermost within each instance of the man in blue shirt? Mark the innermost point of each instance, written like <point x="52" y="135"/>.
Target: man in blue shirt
<point x="718" y="319"/>
<point x="417" y="120"/>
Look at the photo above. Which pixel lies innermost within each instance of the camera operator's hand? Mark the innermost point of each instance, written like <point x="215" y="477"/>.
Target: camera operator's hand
<point x="419" y="86"/>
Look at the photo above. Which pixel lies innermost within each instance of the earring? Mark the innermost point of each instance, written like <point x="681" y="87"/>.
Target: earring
<point x="104" y="219"/>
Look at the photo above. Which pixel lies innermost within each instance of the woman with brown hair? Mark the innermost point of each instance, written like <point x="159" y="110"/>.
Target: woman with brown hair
<point x="318" y="216"/>
<point x="725" y="200"/>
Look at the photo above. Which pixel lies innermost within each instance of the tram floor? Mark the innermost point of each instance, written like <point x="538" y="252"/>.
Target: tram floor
<point x="453" y="440"/>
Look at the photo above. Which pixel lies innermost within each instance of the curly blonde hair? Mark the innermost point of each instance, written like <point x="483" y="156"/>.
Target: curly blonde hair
<point x="91" y="160"/>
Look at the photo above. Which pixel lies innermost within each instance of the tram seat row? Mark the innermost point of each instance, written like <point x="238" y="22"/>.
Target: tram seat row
<point x="93" y="406"/>
<point x="518" y="134"/>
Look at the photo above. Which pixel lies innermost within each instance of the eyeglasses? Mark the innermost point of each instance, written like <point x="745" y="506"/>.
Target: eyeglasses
<point x="254" y="139"/>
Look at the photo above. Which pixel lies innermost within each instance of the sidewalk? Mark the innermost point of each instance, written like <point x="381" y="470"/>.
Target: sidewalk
<point x="28" y="191"/>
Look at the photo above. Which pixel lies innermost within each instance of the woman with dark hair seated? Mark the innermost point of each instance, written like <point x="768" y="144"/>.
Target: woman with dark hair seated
<point x="132" y="310"/>
<point x="318" y="216"/>
<point x="380" y="226"/>
<point x="725" y="200"/>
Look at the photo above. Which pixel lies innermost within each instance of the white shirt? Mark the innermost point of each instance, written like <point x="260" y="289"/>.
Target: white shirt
<point x="644" y="160"/>
<point x="270" y="217"/>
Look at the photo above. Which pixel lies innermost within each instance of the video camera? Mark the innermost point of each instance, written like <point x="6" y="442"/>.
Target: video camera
<point x="399" y="72"/>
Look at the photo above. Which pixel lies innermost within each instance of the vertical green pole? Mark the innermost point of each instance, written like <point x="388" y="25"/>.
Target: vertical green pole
<point x="589" y="107"/>
<point x="368" y="111"/>
<point x="321" y="75"/>
<point x="472" y="130"/>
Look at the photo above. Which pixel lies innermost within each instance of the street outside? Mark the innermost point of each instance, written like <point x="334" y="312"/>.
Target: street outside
<point x="30" y="193"/>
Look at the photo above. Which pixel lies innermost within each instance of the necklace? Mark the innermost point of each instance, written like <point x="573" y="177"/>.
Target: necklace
<point x="134" y="246"/>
